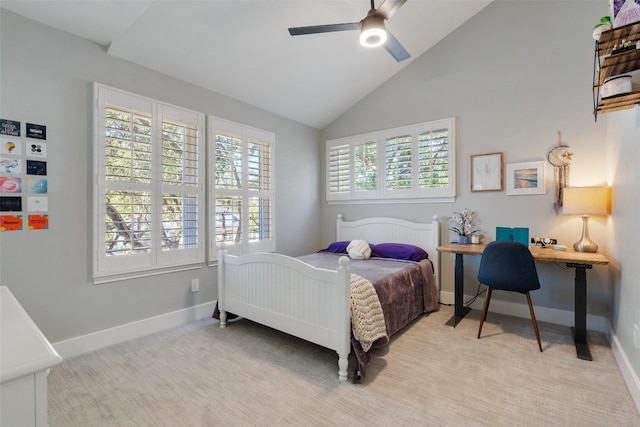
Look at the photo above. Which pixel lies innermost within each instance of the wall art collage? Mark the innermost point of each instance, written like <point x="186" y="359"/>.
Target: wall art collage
<point x="23" y="176"/>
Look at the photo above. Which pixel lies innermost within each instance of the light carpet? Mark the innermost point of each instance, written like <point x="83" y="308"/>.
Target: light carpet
<point x="429" y="375"/>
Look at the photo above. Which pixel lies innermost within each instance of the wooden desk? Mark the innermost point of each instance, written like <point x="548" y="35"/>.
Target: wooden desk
<point x="581" y="261"/>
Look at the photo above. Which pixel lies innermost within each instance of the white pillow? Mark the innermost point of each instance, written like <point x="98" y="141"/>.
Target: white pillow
<point x="359" y="249"/>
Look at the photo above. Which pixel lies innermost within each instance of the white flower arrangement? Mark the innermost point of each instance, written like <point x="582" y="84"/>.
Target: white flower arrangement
<point x="463" y="223"/>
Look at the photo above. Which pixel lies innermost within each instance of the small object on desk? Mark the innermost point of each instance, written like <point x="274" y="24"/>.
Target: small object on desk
<point x="464" y="240"/>
<point x="543" y="242"/>
<point x="560" y="247"/>
<point x="513" y="234"/>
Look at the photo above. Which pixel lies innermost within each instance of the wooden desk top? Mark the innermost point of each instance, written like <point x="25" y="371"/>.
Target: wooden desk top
<point x="539" y="254"/>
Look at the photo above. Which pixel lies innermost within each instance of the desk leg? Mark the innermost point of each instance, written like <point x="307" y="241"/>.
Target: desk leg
<point x="459" y="309"/>
<point x="580" y="329"/>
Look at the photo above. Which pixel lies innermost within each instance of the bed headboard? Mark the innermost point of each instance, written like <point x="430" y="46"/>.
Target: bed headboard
<point x="395" y="230"/>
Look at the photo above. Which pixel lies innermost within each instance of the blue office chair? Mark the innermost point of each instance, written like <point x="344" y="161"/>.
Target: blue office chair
<point x="508" y="266"/>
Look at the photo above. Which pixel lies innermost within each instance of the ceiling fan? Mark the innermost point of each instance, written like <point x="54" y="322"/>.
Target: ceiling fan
<point x="372" y="30"/>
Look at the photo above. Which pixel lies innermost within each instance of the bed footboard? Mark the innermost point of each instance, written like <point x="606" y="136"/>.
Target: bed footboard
<point x="290" y="296"/>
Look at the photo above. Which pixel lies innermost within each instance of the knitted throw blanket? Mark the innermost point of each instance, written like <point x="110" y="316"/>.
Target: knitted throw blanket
<point x="367" y="319"/>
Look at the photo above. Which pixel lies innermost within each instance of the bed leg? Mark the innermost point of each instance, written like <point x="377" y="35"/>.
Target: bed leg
<point x="223" y="319"/>
<point x="343" y="364"/>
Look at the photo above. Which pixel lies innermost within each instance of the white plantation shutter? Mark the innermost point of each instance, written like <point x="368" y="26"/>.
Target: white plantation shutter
<point x="127" y="181"/>
<point x="259" y="165"/>
<point x="433" y="158"/>
<point x="352" y="168"/>
<point x="398" y="164"/>
<point x="241" y="177"/>
<point x="260" y="192"/>
<point x="148" y="201"/>
<point x="436" y="162"/>
<point x="229" y="167"/>
<point x="182" y="203"/>
<point x="128" y="145"/>
<point x="339" y="173"/>
<point x="366" y="166"/>
<point x="417" y="164"/>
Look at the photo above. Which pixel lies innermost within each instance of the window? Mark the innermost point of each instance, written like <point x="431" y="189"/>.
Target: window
<point x="365" y="166"/>
<point x="149" y="197"/>
<point x="241" y="178"/>
<point x="410" y="163"/>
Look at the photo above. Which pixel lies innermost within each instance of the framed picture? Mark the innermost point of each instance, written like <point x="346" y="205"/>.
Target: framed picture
<point x="526" y="178"/>
<point x="486" y="172"/>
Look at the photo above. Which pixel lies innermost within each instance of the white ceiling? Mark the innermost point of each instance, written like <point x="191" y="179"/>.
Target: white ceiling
<point x="242" y="48"/>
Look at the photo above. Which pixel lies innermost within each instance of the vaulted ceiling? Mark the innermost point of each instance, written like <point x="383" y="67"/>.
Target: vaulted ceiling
<point x="242" y="49"/>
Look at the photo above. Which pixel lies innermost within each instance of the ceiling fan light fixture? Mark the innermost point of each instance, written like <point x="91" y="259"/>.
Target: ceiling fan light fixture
<point x="373" y="33"/>
<point x="372" y="29"/>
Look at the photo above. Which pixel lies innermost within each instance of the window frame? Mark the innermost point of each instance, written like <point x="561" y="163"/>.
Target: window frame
<point x="245" y="134"/>
<point x="382" y="194"/>
<point x="156" y="261"/>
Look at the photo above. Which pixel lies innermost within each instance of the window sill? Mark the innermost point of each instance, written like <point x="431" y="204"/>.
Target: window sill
<point x="379" y="201"/>
<point x="118" y="277"/>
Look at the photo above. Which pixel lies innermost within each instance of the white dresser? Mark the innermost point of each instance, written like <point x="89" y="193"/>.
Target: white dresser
<point x="25" y="359"/>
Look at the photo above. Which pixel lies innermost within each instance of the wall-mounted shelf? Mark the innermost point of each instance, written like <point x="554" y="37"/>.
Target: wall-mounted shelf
<point x="608" y="65"/>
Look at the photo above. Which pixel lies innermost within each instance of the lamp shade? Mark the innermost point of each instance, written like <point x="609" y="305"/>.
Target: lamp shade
<point x="586" y="201"/>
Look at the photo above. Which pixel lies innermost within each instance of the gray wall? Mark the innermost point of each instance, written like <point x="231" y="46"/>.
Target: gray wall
<point x="623" y="135"/>
<point x="46" y="78"/>
<point x="512" y="76"/>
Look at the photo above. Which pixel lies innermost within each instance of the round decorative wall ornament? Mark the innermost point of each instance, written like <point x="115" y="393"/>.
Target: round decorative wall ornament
<point x="560" y="158"/>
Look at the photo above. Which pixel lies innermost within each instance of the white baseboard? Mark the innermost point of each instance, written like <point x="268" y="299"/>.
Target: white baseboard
<point x="629" y="375"/>
<point x="543" y="314"/>
<point x="96" y="340"/>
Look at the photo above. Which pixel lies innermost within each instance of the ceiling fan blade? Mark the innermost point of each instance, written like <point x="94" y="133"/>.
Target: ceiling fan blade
<point x="394" y="47"/>
<point x="389" y="7"/>
<point x="314" y="29"/>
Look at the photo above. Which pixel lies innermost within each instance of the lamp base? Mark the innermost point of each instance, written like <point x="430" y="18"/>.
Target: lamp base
<point x="585" y="244"/>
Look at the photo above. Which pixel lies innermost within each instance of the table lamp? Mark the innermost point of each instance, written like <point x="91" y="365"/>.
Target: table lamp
<point x="585" y="201"/>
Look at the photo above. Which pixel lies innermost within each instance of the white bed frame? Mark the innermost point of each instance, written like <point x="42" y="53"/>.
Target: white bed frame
<point x="294" y="297"/>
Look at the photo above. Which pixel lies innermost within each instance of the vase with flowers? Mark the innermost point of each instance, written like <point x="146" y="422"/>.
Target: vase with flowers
<point x="463" y="225"/>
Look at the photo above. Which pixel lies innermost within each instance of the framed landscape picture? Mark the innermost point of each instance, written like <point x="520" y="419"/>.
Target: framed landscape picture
<point x="525" y="178"/>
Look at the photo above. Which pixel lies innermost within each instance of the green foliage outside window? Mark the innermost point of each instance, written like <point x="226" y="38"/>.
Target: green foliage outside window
<point x="128" y="163"/>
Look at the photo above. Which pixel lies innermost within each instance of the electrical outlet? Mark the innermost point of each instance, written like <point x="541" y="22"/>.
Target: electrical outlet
<point x="195" y="285"/>
<point x="636" y="337"/>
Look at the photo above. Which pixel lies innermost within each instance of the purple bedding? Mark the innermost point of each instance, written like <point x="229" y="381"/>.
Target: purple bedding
<point x="406" y="290"/>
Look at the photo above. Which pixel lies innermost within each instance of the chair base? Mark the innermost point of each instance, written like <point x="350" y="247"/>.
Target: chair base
<point x="485" y="309"/>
